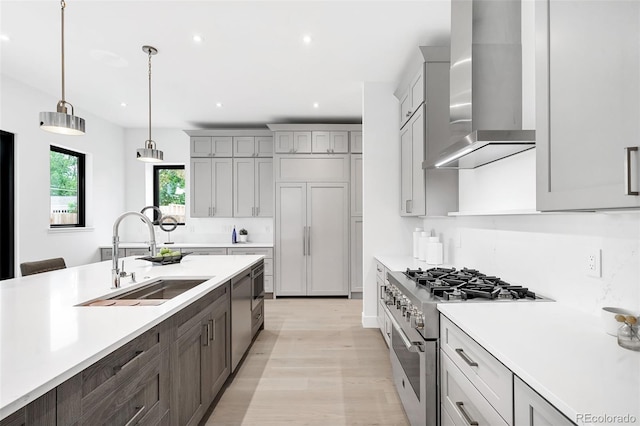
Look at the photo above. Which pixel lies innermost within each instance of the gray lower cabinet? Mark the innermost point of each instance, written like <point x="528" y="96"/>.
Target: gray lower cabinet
<point x="169" y="375"/>
<point x="200" y="357"/>
<point x="41" y="412"/>
<point x="356" y="282"/>
<point x="128" y="386"/>
<point x="530" y="409"/>
<point x="587" y="141"/>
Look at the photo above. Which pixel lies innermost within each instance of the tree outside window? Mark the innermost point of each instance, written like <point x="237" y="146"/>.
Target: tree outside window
<point x="66" y="188"/>
<point x="169" y="191"/>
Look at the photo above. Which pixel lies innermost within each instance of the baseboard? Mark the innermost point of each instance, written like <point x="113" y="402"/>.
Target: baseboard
<point x="370" y="322"/>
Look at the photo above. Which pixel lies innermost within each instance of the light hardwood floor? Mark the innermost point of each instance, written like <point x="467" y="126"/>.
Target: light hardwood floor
<point x="313" y="364"/>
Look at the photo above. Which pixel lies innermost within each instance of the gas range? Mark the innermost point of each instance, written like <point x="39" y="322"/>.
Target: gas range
<point x="410" y="301"/>
<point x="417" y="292"/>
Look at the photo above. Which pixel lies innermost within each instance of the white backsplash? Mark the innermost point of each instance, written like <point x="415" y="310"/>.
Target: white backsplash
<point x="207" y="230"/>
<point x="548" y="253"/>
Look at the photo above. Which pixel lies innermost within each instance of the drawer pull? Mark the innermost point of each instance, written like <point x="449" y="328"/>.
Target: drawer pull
<point x="467" y="417"/>
<point x="379" y="270"/>
<point x="120" y="367"/>
<point x="211" y="329"/>
<point x="136" y="416"/>
<point x="466" y="358"/>
<point x="382" y="290"/>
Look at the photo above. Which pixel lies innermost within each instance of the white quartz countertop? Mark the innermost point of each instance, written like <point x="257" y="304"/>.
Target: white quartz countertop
<point x="561" y="353"/>
<point x="194" y="245"/>
<point x="45" y="339"/>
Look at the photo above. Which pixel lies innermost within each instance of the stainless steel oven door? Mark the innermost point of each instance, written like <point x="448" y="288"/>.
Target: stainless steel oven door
<point x="414" y="373"/>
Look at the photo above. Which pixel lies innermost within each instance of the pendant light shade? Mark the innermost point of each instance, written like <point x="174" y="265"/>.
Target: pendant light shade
<point x="59" y="121"/>
<point x="149" y="153"/>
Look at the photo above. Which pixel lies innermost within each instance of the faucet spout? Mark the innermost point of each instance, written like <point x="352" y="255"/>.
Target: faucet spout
<point x="115" y="271"/>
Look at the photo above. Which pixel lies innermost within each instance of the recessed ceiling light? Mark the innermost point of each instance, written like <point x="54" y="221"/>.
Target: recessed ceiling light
<point x="123" y="104"/>
<point x="5" y="37"/>
<point x="306" y="39"/>
<point x="219" y="104"/>
<point x="197" y="38"/>
<point x="316" y="105"/>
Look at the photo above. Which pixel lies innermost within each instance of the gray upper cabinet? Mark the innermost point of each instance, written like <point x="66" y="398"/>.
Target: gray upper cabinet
<point x="412" y="96"/>
<point x="250" y="146"/>
<point x="424" y="102"/>
<point x="211" y="187"/>
<point x="292" y="142"/>
<point x="330" y="142"/>
<point x="253" y="187"/>
<point x="211" y="146"/>
<point x="356" y="142"/>
<point x="356" y="185"/>
<point x="412" y="190"/>
<point x="587" y="105"/>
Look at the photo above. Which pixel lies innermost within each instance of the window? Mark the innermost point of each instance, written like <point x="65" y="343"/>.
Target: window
<point x="66" y="188"/>
<point x="169" y="190"/>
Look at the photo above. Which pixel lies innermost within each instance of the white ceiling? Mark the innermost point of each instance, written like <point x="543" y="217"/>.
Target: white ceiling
<point x="252" y="59"/>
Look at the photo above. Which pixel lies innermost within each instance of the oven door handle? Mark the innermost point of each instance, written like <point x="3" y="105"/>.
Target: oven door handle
<point x="411" y="346"/>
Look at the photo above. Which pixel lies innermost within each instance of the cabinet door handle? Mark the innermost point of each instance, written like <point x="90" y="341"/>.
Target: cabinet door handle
<point x="382" y="289"/>
<point x="212" y="329"/>
<point x="407" y="206"/>
<point x="304" y="240"/>
<point x="308" y="241"/>
<point x="136" y="416"/>
<point x="466" y="358"/>
<point x="213" y="211"/>
<point x="465" y="415"/>
<point x="205" y="330"/>
<point x="408" y="114"/>
<point x="257" y="211"/>
<point x="627" y="166"/>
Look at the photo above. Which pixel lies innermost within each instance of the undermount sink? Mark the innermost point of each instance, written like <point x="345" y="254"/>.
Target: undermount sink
<point x="154" y="293"/>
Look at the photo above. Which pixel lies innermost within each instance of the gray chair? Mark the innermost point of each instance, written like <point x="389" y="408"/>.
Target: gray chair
<point x="39" y="266"/>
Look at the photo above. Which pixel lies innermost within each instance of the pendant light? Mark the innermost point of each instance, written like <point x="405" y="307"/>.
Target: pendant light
<point x="149" y="153"/>
<point x="60" y="121"/>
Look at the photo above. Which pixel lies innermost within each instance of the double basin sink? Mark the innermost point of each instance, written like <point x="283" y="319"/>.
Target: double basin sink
<point x="154" y="293"/>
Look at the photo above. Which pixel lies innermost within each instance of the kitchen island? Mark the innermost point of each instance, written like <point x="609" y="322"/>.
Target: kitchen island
<point x="46" y="339"/>
<point x="562" y="354"/>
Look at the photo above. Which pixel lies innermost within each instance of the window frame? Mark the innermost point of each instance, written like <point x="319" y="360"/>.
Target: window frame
<point x="156" y="186"/>
<point x="81" y="187"/>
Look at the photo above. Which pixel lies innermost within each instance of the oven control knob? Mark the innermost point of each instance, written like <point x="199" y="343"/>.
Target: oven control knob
<point x="406" y="308"/>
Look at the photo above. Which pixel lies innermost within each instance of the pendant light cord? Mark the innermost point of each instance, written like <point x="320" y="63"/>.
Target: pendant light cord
<point x="150" y="141"/>
<point x="62" y="6"/>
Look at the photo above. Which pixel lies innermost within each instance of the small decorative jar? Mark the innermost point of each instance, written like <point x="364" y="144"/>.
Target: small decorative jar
<point x="628" y="336"/>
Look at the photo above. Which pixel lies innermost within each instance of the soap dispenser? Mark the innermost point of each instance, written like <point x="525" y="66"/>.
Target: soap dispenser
<point x="234" y="237"/>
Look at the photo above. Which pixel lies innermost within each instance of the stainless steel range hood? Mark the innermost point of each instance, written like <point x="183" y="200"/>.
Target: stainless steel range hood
<point x="485" y="106"/>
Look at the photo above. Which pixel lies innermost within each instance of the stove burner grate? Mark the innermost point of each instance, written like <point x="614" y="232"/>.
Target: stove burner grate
<point x="464" y="284"/>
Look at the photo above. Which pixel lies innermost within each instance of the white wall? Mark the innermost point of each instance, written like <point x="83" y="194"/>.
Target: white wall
<point x="103" y="145"/>
<point x="384" y="231"/>
<point x="174" y="144"/>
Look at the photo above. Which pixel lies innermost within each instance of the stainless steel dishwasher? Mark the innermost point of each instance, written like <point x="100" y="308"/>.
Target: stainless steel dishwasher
<point x="240" y="316"/>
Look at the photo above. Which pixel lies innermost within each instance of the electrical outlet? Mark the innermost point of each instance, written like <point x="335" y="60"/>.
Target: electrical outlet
<point x="594" y="263"/>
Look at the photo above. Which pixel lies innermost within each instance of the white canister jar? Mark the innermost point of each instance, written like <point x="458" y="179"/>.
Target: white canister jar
<point x="434" y="253"/>
<point x="422" y="249"/>
<point x="416" y="242"/>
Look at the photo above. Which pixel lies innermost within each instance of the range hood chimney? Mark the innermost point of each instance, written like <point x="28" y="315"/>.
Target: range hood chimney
<point x="486" y="85"/>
